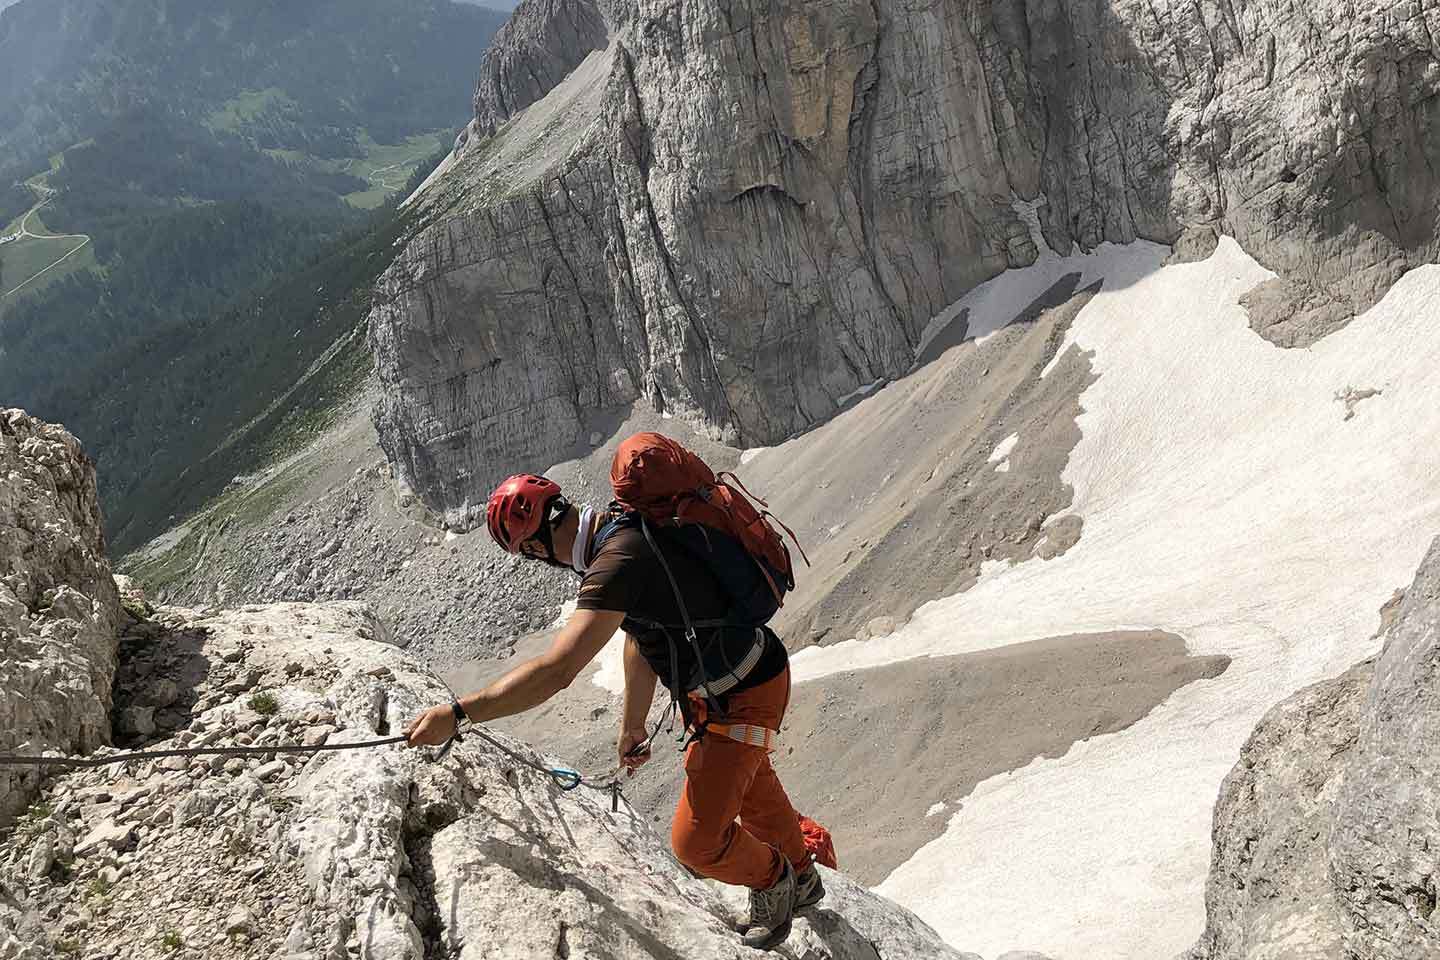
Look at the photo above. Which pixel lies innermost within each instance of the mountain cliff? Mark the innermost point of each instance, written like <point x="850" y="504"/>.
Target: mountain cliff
<point x="743" y="213"/>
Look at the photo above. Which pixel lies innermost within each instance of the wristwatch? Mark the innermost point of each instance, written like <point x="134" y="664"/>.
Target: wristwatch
<point x="460" y="716"/>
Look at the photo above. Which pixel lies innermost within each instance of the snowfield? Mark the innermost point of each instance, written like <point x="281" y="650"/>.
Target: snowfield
<point x="1226" y="499"/>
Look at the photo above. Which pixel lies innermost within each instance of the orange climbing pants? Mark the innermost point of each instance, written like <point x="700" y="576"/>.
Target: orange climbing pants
<point x="734" y="821"/>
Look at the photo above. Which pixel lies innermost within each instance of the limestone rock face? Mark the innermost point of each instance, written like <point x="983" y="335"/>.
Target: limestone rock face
<point x="1326" y="830"/>
<point x="1385" y="849"/>
<point x="59" y="608"/>
<point x="743" y="212"/>
<point x="376" y="852"/>
<point x="1269" y="886"/>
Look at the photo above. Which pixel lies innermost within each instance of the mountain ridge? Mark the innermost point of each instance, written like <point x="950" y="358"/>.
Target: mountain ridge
<point x="790" y="195"/>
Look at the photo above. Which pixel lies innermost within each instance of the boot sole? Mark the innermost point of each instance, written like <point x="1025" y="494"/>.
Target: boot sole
<point x="777" y="936"/>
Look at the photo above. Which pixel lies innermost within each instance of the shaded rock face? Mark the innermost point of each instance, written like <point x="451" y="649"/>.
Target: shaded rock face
<point x="743" y="212"/>
<point x="1326" y="830"/>
<point x="59" y="608"/>
<point x="373" y="852"/>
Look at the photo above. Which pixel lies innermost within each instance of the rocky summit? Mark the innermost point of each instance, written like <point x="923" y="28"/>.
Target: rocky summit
<point x="742" y="213"/>
<point x="378" y="851"/>
<point x="382" y="852"/>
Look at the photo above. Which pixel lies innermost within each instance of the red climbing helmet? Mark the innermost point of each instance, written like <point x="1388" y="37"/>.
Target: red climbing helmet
<point x="518" y="509"/>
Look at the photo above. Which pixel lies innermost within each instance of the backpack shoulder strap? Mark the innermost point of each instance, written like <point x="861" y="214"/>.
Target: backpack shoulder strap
<point x="609" y="528"/>
<point x="710" y="701"/>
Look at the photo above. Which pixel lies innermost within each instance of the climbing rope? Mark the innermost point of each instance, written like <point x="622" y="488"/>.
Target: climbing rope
<point x="564" y="777"/>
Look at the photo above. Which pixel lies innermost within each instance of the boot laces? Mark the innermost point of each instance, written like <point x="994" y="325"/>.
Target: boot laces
<point x="764" y="904"/>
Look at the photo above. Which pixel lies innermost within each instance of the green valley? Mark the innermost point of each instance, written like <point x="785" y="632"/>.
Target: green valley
<point x="195" y="200"/>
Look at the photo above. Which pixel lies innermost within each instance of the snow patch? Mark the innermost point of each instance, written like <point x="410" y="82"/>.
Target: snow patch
<point x="1224" y="501"/>
<point x="751" y="454"/>
<point x="611" y="673"/>
<point x="861" y="393"/>
<point x="995" y="304"/>
<point x="935" y="809"/>
<point x="609" y="663"/>
<point x="1002" y="450"/>
<point x="566" y="609"/>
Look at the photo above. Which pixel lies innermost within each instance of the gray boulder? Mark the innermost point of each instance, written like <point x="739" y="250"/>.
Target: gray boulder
<point x="1269" y="887"/>
<point x="380" y="852"/>
<point x="59" y="608"/>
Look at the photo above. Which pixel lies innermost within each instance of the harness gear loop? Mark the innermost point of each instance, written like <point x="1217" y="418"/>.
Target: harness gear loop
<point x="753" y="734"/>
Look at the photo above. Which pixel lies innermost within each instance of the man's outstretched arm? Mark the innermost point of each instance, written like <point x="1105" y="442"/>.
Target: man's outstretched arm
<point x="528" y="685"/>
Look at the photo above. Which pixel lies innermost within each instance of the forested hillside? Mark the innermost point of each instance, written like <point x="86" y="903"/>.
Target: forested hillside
<point x="292" y="75"/>
<point x="189" y="193"/>
<point x="194" y="338"/>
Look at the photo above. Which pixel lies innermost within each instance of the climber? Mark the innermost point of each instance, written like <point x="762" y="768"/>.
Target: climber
<point x="626" y="573"/>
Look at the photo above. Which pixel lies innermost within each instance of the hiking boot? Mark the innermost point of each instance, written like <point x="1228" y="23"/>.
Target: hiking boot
<point x="808" y="888"/>
<point x="771" y="910"/>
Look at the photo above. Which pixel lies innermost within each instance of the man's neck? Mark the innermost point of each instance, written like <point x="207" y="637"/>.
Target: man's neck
<point x="565" y="534"/>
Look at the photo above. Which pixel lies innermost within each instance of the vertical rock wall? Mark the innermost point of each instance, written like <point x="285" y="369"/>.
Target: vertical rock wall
<point x="1385" y="846"/>
<point x="742" y="211"/>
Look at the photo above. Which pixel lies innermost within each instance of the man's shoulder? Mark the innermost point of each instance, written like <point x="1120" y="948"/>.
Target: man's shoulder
<point x="620" y="550"/>
<point x="616" y="571"/>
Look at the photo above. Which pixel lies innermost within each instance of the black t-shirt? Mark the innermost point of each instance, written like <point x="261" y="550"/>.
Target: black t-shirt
<point x="626" y="577"/>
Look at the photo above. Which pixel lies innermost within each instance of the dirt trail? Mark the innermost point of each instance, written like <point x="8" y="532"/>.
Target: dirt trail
<point x="46" y="193"/>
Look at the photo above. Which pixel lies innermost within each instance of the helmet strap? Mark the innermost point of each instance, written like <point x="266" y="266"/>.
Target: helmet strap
<point x="555" y="510"/>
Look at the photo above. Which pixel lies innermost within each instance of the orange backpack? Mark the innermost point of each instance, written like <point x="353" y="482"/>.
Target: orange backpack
<point x="660" y="480"/>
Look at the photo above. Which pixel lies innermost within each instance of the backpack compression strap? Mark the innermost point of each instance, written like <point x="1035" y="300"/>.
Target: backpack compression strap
<point x="765" y="514"/>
